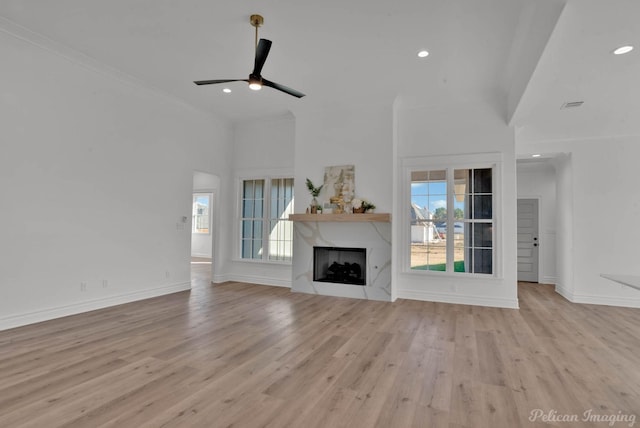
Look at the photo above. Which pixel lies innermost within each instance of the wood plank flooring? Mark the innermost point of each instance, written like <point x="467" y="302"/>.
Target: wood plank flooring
<point x="242" y="355"/>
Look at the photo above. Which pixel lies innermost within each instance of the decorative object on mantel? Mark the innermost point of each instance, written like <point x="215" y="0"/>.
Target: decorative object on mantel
<point x="361" y="206"/>
<point x="337" y="204"/>
<point x="314" y="191"/>
<point x="341" y="179"/>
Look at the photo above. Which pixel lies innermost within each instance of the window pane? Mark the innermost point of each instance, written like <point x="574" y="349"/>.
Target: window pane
<point x="459" y="239"/>
<point x="246" y="248"/>
<point x="247" y="208"/>
<point x="280" y="228"/>
<point x="257" y="249"/>
<point x="482" y="182"/>
<point x="482" y="261"/>
<point x="288" y="187"/>
<point x="258" y="213"/>
<point x="259" y="189"/>
<point x="246" y="229"/>
<point x="428" y="220"/>
<point x="482" y="207"/>
<point x="483" y="235"/>
<point x="252" y="208"/>
<point x="247" y="192"/>
<point x="280" y="239"/>
<point x="257" y="229"/>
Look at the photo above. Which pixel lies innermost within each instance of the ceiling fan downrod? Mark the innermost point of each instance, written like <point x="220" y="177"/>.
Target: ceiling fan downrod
<point x="256" y="21"/>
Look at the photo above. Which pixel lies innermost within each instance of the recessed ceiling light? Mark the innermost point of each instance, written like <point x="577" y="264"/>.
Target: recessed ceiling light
<point x="623" y="50"/>
<point x="536" y="156"/>
<point x="423" y="54"/>
<point x="226" y="90"/>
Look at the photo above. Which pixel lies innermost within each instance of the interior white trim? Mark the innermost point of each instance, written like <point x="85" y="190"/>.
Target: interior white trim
<point x="598" y="300"/>
<point x="252" y="279"/>
<point x="465" y="299"/>
<point x="89" y="305"/>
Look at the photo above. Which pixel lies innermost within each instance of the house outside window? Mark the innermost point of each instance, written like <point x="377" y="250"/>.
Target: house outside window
<point x="201" y="218"/>
<point x="266" y="233"/>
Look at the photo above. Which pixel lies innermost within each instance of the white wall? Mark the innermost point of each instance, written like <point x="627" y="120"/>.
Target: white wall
<point x="598" y="211"/>
<point x="95" y="178"/>
<point x="457" y="127"/>
<point x="357" y="135"/>
<point x="537" y="180"/>
<point x="264" y="146"/>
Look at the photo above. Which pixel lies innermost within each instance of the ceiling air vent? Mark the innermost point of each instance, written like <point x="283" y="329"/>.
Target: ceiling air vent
<point x="572" y="104"/>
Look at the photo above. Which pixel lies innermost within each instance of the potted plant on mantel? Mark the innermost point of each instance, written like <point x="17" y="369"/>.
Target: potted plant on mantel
<point x="314" y="191"/>
<point x="361" y="206"/>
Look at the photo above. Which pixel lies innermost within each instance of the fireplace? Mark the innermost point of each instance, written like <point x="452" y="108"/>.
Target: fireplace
<point x="340" y="265"/>
<point x="371" y="239"/>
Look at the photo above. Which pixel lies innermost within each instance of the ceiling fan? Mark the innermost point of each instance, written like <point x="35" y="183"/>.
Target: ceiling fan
<point x="255" y="80"/>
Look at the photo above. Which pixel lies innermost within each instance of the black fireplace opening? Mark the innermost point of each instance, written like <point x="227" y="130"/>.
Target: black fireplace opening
<point x="340" y="265"/>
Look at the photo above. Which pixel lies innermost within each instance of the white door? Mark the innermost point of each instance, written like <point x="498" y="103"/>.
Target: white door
<point x="528" y="240"/>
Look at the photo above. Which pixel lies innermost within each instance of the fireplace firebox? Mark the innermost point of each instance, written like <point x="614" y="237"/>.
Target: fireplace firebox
<point x="340" y="265"/>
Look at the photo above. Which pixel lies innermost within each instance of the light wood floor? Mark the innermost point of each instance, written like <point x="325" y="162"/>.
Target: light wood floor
<point x="242" y="355"/>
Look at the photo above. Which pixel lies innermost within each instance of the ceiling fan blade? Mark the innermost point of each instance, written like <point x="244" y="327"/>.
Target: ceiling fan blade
<point x="262" y="51"/>
<point x="282" y="88"/>
<point x="213" y="82"/>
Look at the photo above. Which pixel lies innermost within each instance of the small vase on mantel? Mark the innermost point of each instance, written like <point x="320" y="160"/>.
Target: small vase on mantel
<point x="314" y="206"/>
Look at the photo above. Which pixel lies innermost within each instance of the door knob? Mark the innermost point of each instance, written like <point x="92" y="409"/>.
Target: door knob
<point x="535" y="245"/>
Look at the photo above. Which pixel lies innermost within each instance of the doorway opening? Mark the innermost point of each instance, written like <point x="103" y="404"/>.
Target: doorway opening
<point x="528" y="242"/>
<point x="203" y="221"/>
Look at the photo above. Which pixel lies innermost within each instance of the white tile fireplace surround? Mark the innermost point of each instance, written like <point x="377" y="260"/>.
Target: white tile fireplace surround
<point x="374" y="236"/>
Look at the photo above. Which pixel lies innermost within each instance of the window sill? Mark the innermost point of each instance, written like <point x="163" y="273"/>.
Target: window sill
<point x="452" y="275"/>
<point x="263" y="262"/>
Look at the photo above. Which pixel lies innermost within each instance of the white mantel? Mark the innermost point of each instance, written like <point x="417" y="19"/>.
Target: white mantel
<point x="348" y="230"/>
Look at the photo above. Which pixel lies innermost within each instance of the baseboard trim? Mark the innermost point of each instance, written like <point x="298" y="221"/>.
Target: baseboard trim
<point x="623" y="302"/>
<point x="564" y="292"/>
<point x="89" y="305"/>
<point x="261" y="280"/>
<point x="549" y="280"/>
<point x="496" y="302"/>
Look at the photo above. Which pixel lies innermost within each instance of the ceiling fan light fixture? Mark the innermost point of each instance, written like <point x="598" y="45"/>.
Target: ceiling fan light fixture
<point x="255" y="84"/>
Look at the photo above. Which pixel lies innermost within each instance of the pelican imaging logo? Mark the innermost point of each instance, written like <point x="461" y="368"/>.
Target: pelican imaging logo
<point x="611" y="419"/>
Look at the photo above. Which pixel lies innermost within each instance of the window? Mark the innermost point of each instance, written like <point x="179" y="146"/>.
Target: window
<point x="201" y="219"/>
<point x="266" y="231"/>
<point x="452" y="220"/>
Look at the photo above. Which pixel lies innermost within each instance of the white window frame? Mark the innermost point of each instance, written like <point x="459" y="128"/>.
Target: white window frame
<point x="451" y="163"/>
<point x="266" y="216"/>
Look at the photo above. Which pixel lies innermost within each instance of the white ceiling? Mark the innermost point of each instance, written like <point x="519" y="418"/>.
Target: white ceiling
<point x="362" y="51"/>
